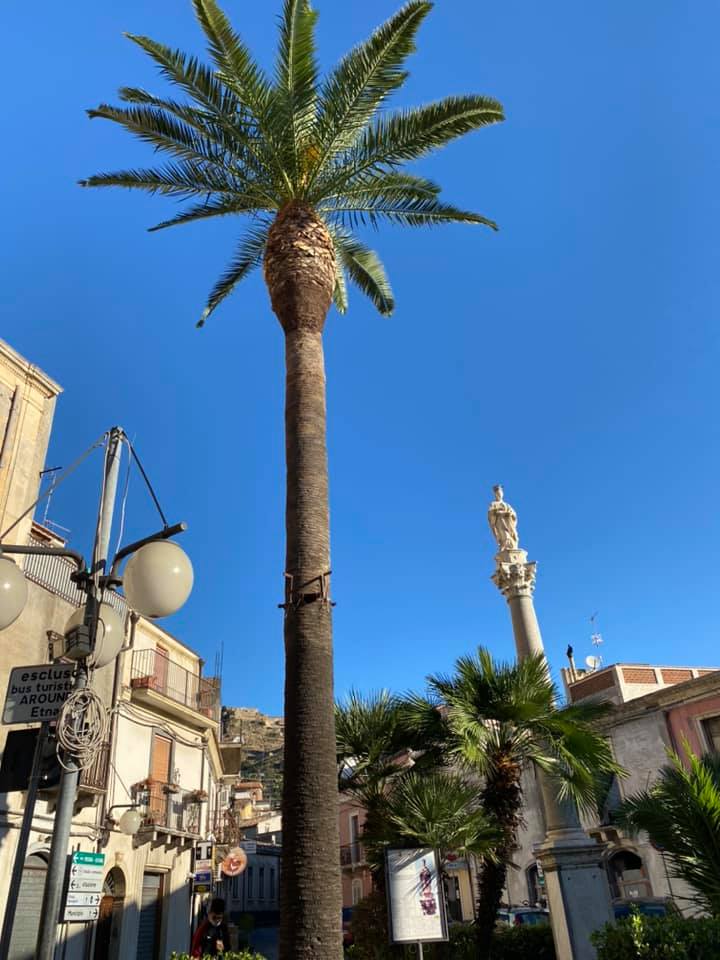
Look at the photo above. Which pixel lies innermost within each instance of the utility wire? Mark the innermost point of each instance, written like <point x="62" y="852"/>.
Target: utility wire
<point x="147" y="482"/>
<point x="53" y="486"/>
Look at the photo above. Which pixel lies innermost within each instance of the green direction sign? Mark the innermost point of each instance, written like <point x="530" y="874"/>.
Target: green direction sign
<point x="96" y="859"/>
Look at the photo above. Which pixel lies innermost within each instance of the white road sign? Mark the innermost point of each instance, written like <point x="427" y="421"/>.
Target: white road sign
<point x="85" y="883"/>
<point x="80" y="914"/>
<point x="37" y="693"/>
<point x="83" y="899"/>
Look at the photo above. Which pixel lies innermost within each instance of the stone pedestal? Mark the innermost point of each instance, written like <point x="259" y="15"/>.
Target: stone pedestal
<point x="575" y="880"/>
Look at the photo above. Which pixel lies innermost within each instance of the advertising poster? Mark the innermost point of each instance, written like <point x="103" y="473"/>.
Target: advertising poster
<point x="416" y="905"/>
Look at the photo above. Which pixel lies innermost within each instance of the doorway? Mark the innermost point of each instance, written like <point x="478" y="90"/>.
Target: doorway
<point x="109" y="922"/>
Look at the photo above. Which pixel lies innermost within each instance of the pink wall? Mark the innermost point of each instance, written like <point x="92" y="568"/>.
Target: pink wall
<point x="683" y="722"/>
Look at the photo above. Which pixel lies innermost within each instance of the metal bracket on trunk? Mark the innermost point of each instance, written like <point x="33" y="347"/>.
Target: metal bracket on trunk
<point x="316" y="588"/>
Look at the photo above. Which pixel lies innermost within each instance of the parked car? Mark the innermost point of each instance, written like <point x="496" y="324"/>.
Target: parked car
<point x="520" y="916"/>
<point x="648" y="907"/>
<point x="346" y="927"/>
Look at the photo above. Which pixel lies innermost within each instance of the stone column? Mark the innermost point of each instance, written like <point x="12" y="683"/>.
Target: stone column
<point x="575" y="880"/>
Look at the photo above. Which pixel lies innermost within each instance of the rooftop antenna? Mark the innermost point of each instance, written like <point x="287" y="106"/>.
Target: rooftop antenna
<point x="50" y="524"/>
<point x="596" y="640"/>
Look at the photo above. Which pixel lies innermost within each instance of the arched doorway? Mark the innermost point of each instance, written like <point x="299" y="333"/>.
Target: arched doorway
<point x="536" y="886"/>
<point x="25" y="923"/>
<point x="628" y="876"/>
<point x="109" y="922"/>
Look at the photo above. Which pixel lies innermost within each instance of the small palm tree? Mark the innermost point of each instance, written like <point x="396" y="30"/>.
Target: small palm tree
<point x="375" y="746"/>
<point x="498" y="719"/>
<point x="305" y="161"/>
<point x="439" y="809"/>
<point x="681" y="814"/>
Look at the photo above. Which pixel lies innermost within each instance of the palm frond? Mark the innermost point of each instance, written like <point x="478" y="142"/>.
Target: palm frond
<point x="340" y="294"/>
<point x="364" y="78"/>
<point x="166" y="132"/>
<point x="681" y="814"/>
<point x="221" y="207"/>
<point x="189" y="74"/>
<point x="407" y="135"/>
<point x="406" y="211"/>
<point x="247" y="256"/>
<point x="363" y="266"/>
<point x="183" y="179"/>
<point x="296" y="80"/>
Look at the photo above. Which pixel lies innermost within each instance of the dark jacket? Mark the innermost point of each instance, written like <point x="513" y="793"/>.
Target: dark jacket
<point x="206" y="937"/>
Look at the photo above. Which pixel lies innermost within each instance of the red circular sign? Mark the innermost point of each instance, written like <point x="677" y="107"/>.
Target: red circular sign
<point x="234" y="863"/>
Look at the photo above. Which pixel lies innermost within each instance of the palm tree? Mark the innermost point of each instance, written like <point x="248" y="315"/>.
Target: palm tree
<point x="681" y="814"/>
<point x="375" y="746"/>
<point x="306" y="161"/>
<point x="498" y="719"/>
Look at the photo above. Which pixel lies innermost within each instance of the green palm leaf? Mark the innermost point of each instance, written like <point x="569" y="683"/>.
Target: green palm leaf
<point x="364" y="79"/>
<point x="249" y="255"/>
<point x="364" y="268"/>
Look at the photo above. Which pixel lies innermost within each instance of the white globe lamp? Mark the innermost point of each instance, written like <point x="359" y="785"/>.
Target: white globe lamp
<point x="158" y="579"/>
<point x="108" y="637"/>
<point x="130" y="822"/>
<point x="13" y="592"/>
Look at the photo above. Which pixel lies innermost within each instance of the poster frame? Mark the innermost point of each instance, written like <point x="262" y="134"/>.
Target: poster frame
<point x="420" y="852"/>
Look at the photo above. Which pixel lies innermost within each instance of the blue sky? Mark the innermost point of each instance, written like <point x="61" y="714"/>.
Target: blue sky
<point x="572" y="356"/>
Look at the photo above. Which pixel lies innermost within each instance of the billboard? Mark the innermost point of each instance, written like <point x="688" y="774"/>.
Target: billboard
<point x="416" y="904"/>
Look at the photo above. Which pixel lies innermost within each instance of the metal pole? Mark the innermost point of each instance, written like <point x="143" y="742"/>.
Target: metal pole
<point x="49" y="914"/>
<point x="21" y="849"/>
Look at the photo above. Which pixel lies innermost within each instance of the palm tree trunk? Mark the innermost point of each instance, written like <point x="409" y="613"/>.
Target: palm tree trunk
<point x="502" y="798"/>
<point x="300" y="273"/>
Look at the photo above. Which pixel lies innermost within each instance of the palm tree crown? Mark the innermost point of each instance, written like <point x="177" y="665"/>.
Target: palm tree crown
<point x="244" y="142"/>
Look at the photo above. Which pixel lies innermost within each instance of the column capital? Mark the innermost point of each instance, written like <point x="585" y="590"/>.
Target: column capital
<point x="514" y="574"/>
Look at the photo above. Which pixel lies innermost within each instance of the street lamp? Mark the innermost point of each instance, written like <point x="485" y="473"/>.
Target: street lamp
<point x="13" y="592"/>
<point x="158" y="580"/>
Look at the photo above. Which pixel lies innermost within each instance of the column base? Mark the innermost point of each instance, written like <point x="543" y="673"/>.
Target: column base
<point x="577" y="890"/>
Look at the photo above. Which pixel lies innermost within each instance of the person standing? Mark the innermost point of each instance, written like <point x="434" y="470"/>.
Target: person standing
<point x="212" y="937"/>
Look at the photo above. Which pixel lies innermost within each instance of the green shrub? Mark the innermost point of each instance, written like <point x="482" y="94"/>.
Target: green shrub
<point x="659" y="938"/>
<point x="230" y="955"/>
<point x="524" y="943"/>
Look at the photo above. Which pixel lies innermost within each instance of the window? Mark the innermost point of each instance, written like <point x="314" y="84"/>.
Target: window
<point x="250" y="883"/>
<point x="711" y="728"/>
<point x="261" y="883"/>
<point x="354" y="837"/>
<point x="271" y="892"/>
<point x="357" y="891"/>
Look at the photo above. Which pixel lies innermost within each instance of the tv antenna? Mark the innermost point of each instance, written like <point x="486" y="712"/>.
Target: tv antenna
<point x="50" y="524"/>
<point x="595" y="637"/>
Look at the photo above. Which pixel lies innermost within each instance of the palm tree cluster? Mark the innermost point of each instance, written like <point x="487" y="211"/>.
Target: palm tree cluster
<point x="469" y="742"/>
<point x="305" y="161"/>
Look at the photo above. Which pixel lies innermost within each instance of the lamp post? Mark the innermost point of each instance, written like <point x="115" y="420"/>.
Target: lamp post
<point x="159" y="582"/>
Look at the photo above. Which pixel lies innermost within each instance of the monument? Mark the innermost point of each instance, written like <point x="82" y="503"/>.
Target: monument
<point x="575" y="879"/>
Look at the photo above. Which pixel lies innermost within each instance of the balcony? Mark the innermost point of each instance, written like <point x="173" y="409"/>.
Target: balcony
<point x="170" y="811"/>
<point x="164" y="685"/>
<point x="352" y="855"/>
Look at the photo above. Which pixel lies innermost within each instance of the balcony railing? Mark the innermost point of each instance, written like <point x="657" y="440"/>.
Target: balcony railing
<point x="94" y="777"/>
<point x="154" y="671"/>
<point x="53" y="573"/>
<point x="169" y="808"/>
<point x="352" y="854"/>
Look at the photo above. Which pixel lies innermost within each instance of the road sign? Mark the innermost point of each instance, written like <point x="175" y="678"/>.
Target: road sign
<point x="37" y="693"/>
<point x="203" y="850"/>
<point x="82" y="899"/>
<point x="85" y="883"/>
<point x="202" y="881"/>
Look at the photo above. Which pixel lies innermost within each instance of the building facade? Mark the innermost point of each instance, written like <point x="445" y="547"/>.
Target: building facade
<point x="655" y="709"/>
<point x="161" y="755"/>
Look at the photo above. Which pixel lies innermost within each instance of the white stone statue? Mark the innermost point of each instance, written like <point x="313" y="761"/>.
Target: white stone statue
<point x="503" y="521"/>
